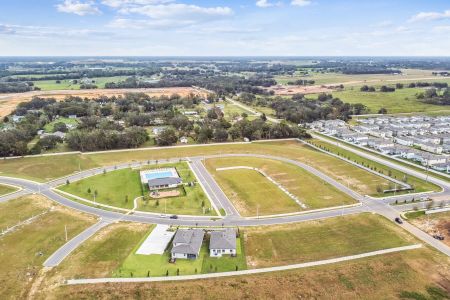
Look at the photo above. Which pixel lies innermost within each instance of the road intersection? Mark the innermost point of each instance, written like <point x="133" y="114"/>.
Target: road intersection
<point x="221" y="202"/>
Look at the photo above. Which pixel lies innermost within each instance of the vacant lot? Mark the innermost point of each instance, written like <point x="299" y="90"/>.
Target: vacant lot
<point x="23" y="251"/>
<point x="381" y="277"/>
<point x="316" y="240"/>
<point x="100" y="256"/>
<point x="45" y="168"/>
<point x="6" y="189"/>
<point x="21" y="209"/>
<point x="418" y="184"/>
<point x="437" y="223"/>
<point x="247" y="188"/>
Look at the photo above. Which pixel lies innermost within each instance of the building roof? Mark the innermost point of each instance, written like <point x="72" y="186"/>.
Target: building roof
<point x="164" y="181"/>
<point x="223" y="239"/>
<point x="188" y="241"/>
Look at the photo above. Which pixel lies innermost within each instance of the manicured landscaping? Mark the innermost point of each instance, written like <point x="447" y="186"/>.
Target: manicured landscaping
<point x="119" y="189"/>
<point x="136" y="265"/>
<point x="248" y="189"/>
<point x="23" y="251"/>
<point x="322" y="239"/>
<point x="6" y="189"/>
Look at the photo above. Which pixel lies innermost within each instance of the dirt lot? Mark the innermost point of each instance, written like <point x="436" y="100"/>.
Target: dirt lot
<point x="300" y="89"/>
<point x="9" y="101"/>
<point x="432" y="224"/>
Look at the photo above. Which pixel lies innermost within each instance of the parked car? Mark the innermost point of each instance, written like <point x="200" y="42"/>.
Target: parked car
<point x="174" y="217"/>
<point x="398" y="220"/>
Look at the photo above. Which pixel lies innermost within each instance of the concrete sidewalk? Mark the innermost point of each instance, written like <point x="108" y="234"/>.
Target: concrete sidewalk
<point x="244" y="272"/>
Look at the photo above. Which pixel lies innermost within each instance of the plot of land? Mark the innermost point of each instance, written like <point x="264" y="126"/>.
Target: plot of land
<point x="420" y="271"/>
<point x="418" y="184"/>
<point x="6" y="189"/>
<point x="158" y="265"/>
<point x="248" y="189"/>
<point x="23" y="251"/>
<point x="120" y="188"/>
<point x="157" y="241"/>
<point x="317" y="240"/>
<point x="437" y="223"/>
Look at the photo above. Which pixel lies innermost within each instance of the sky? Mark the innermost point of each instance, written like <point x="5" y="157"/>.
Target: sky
<point x="225" y="28"/>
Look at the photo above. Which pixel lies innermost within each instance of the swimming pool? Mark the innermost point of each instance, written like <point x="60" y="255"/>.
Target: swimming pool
<point x="159" y="174"/>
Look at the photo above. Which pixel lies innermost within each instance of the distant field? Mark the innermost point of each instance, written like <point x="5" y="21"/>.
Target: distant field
<point x="250" y="189"/>
<point x="400" y="101"/>
<point x="49" y="85"/>
<point x="323" y="239"/>
<point x="23" y="251"/>
<point x="4" y="189"/>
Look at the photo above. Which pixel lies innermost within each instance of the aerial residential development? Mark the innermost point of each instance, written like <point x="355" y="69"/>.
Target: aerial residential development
<point x="257" y="149"/>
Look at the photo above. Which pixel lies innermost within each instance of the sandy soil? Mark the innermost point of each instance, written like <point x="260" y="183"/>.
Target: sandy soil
<point x="300" y="89"/>
<point x="8" y="102"/>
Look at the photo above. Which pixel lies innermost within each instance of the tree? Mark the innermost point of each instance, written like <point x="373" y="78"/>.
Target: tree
<point x="60" y="126"/>
<point x="166" y="137"/>
<point x="220" y="135"/>
<point x="382" y="111"/>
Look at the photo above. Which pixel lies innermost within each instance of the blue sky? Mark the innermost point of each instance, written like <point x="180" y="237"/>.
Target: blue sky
<point x="220" y="27"/>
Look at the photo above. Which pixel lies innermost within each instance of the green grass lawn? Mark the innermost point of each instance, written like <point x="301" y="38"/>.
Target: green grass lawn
<point x="322" y="239"/>
<point x="136" y="265"/>
<point x="247" y="192"/>
<point x="21" y="209"/>
<point x="6" y="189"/>
<point x="400" y="101"/>
<point x="114" y="188"/>
<point x="23" y="251"/>
<point x="50" y="85"/>
<point x="419" y="185"/>
<point x="49" y="127"/>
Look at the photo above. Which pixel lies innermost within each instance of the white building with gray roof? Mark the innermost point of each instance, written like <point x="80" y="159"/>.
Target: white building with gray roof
<point x="222" y="243"/>
<point x="187" y="243"/>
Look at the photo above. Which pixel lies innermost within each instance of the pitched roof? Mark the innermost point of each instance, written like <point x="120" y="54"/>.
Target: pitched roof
<point x="164" y="181"/>
<point x="223" y="239"/>
<point x="188" y="241"/>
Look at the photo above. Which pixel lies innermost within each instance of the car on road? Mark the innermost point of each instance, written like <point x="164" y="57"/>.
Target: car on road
<point x="398" y="220"/>
<point x="174" y="217"/>
<point x="438" y="237"/>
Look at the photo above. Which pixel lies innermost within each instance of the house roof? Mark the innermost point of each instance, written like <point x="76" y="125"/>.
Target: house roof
<point x="164" y="181"/>
<point x="223" y="239"/>
<point x="188" y="241"/>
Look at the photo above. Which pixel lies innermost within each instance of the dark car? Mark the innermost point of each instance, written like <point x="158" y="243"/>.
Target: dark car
<point x="174" y="217"/>
<point x="398" y="220"/>
<point x="438" y="237"/>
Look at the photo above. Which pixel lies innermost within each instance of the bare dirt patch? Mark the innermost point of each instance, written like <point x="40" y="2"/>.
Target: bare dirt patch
<point x="8" y="102"/>
<point x="299" y="89"/>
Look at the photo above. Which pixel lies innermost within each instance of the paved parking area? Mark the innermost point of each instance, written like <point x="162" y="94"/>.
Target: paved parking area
<point x="157" y="241"/>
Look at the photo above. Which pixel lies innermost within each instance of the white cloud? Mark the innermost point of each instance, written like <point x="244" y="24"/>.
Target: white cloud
<point x="430" y="16"/>
<point x="78" y="8"/>
<point x="176" y="10"/>
<point x="441" y="29"/>
<point x="122" y="3"/>
<point x="264" y="3"/>
<point x="301" y="2"/>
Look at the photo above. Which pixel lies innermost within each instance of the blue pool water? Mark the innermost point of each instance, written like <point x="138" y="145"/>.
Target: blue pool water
<point x="162" y="174"/>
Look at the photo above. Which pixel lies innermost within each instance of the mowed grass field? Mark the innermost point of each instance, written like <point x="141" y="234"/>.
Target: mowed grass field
<point x="21" y="209"/>
<point x="120" y="188"/>
<point x="321" y="239"/>
<point x="50" y="126"/>
<point x="23" y="251"/>
<point x="46" y="168"/>
<point x="418" y="272"/>
<point x="51" y="85"/>
<point x="248" y="189"/>
<point x="6" y="189"/>
<point x="418" y="184"/>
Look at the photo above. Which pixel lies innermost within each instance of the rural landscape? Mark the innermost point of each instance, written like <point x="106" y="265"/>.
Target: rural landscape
<point x="233" y="166"/>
